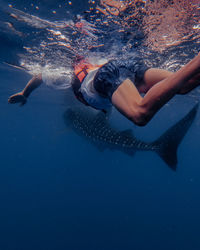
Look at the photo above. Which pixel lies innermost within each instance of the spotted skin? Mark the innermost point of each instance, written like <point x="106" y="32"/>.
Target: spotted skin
<point x="97" y="130"/>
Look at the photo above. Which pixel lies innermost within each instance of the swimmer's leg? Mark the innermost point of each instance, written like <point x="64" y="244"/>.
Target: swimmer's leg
<point x="22" y="96"/>
<point x="151" y="77"/>
<point x="140" y="109"/>
<point x="155" y="75"/>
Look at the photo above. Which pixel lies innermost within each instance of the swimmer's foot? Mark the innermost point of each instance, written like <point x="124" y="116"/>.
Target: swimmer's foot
<point x="17" y="98"/>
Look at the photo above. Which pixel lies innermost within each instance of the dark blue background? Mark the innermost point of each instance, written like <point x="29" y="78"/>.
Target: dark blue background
<point x="57" y="191"/>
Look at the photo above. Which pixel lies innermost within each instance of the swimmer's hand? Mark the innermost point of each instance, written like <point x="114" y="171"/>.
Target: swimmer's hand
<point x="17" y="98"/>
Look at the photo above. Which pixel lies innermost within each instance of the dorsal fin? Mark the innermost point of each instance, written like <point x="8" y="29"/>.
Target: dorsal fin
<point x="100" y="116"/>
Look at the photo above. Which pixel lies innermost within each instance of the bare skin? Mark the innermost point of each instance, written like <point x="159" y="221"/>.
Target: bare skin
<point x="158" y="85"/>
<point x="22" y="96"/>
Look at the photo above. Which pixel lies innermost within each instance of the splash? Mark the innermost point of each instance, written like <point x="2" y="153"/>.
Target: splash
<point x="109" y="29"/>
<point x="164" y="23"/>
<point x="170" y="23"/>
<point x="52" y="46"/>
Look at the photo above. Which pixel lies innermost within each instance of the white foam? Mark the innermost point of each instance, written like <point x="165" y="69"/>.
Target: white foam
<point x="54" y="77"/>
<point x="59" y="78"/>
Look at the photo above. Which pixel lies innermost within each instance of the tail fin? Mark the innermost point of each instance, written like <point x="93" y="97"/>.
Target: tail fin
<point x="166" y="146"/>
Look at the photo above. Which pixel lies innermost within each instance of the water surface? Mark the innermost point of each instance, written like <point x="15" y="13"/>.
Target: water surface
<point x="57" y="190"/>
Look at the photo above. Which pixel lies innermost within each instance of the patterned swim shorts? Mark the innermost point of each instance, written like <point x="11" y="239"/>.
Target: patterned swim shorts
<point x="112" y="74"/>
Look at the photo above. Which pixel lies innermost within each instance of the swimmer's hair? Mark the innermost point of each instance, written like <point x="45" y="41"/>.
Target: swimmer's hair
<point x="75" y="84"/>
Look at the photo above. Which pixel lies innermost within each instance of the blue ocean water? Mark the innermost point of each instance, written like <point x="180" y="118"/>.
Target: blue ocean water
<point x="57" y="190"/>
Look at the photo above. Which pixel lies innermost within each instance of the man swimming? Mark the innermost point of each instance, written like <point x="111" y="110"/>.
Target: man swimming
<point x="121" y="82"/>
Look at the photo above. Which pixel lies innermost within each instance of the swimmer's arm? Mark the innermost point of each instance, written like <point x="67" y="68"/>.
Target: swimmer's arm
<point x="22" y="96"/>
<point x="34" y="83"/>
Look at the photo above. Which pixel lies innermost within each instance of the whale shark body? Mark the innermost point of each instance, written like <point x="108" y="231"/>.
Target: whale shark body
<point x="97" y="129"/>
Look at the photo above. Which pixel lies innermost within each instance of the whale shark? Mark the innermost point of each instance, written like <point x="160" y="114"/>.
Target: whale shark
<point x="96" y="128"/>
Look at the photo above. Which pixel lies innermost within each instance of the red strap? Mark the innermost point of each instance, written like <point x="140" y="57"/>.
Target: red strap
<point x="82" y="73"/>
<point x="83" y="68"/>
